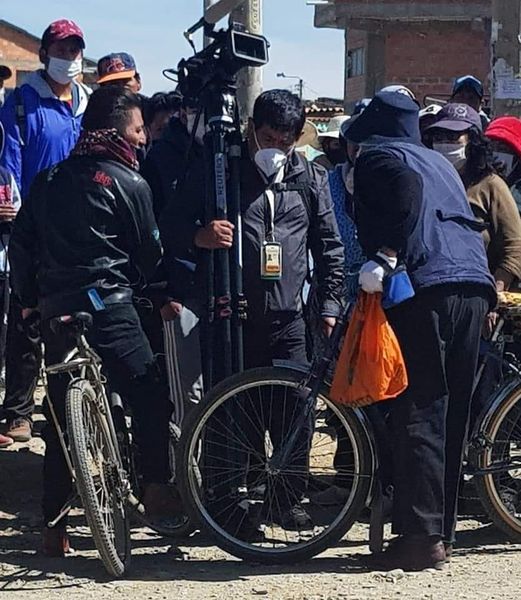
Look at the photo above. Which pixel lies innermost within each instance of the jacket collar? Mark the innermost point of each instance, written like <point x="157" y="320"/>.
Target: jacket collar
<point x="80" y="92"/>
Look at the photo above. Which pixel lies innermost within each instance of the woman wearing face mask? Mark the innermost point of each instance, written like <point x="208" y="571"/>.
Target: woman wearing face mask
<point x="457" y="135"/>
<point x="505" y="134"/>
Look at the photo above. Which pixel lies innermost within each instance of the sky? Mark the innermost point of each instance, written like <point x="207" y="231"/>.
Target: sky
<point x="152" y="31"/>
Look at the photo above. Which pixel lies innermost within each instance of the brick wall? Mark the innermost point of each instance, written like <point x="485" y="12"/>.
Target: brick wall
<point x="18" y="51"/>
<point x="427" y="58"/>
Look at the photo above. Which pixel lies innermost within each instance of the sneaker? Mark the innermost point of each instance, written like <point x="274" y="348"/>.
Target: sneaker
<point x="5" y="441"/>
<point x="20" y="429"/>
<point x="55" y="542"/>
<point x="294" y="519"/>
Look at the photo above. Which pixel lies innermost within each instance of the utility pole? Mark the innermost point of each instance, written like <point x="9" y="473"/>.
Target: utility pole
<point x="506" y="57"/>
<point x="249" y="80"/>
<point x="206" y="5"/>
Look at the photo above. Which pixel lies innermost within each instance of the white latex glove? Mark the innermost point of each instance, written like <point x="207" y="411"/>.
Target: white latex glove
<point x="372" y="274"/>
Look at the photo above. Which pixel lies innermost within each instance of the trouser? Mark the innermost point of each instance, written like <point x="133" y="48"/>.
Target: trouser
<point x="4" y="310"/>
<point x="439" y="332"/>
<point x="279" y="336"/>
<point x="129" y="366"/>
<point x="22" y="362"/>
<point x="183" y="362"/>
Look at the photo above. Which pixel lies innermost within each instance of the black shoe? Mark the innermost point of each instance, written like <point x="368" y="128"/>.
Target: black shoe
<point x="294" y="519"/>
<point x="410" y="553"/>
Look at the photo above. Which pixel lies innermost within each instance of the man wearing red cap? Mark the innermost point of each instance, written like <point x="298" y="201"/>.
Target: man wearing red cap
<point x="42" y="122"/>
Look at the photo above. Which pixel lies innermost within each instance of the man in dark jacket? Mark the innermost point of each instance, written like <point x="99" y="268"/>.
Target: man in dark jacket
<point x="84" y="238"/>
<point x="411" y="209"/>
<point x="286" y="208"/>
<point x="174" y="158"/>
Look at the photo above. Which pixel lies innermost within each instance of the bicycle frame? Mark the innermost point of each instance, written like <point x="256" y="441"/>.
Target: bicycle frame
<point x="82" y="362"/>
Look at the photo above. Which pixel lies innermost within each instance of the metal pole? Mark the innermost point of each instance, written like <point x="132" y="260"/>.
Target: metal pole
<point x="206" y="5"/>
<point x="506" y="56"/>
<point x="250" y="79"/>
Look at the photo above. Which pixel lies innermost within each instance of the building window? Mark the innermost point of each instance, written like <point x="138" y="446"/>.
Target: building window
<point x="356" y="62"/>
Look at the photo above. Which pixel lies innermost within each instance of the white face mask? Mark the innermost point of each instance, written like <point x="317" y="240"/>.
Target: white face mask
<point x="64" y="71"/>
<point x="454" y="153"/>
<point x="507" y="160"/>
<point x="269" y="161"/>
<point x="201" y="129"/>
<point x="2" y="96"/>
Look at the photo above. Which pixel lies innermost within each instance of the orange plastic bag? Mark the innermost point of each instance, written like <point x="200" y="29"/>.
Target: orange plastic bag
<point x="370" y="367"/>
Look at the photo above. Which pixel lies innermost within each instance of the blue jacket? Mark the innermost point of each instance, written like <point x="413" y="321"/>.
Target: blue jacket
<point x="50" y="128"/>
<point x="445" y="244"/>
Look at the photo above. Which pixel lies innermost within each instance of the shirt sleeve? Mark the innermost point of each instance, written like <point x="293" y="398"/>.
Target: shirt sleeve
<point x="507" y="227"/>
<point x="388" y="198"/>
<point x="11" y="158"/>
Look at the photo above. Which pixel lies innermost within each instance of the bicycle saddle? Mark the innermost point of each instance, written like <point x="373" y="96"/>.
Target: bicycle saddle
<point x="80" y="321"/>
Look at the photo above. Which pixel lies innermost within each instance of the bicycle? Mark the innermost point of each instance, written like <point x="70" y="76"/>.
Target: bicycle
<point x="91" y="449"/>
<point x="234" y="476"/>
<point x="245" y="464"/>
<point x="494" y="449"/>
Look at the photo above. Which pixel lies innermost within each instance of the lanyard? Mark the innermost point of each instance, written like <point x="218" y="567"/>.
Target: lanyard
<point x="270" y="207"/>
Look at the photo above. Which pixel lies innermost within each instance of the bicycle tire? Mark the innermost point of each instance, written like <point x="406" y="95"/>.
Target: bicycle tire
<point x="110" y="529"/>
<point x="190" y="477"/>
<point x="496" y="501"/>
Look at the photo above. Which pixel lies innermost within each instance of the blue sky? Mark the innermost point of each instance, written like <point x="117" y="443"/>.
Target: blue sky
<point x="151" y="30"/>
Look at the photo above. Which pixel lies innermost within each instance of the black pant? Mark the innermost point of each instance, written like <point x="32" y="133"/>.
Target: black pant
<point x="279" y="337"/>
<point x="22" y="362"/>
<point x="128" y="363"/>
<point x="439" y="332"/>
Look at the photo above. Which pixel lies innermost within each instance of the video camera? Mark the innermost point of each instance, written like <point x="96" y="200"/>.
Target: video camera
<point x="217" y="65"/>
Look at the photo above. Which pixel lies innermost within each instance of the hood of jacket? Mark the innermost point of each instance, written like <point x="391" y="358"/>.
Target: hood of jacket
<point x="391" y="115"/>
<point x="80" y="92"/>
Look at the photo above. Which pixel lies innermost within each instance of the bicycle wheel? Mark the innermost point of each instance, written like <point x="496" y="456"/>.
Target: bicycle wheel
<point x="500" y="489"/>
<point x="98" y="472"/>
<point x="253" y="506"/>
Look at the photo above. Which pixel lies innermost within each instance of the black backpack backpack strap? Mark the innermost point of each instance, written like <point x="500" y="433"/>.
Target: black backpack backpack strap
<point x="303" y="183"/>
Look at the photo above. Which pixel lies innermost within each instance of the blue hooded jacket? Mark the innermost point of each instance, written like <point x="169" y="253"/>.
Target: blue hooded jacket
<point x="50" y="129"/>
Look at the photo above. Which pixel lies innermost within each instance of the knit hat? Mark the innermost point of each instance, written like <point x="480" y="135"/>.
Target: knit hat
<point x="508" y="130"/>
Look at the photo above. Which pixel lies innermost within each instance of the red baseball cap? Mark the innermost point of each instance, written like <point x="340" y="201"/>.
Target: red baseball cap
<point x="508" y="130"/>
<point x="61" y="30"/>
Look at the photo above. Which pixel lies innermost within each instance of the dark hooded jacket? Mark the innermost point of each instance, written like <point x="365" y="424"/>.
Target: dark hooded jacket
<point x="298" y="227"/>
<point x="411" y="199"/>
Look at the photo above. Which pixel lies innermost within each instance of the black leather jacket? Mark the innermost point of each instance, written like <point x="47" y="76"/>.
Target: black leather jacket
<point x="87" y="223"/>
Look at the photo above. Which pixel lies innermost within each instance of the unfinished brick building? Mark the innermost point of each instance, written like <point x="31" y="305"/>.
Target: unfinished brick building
<point x="423" y="44"/>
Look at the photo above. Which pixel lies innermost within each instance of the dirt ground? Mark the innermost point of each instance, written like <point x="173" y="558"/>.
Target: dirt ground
<point x="485" y="565"/>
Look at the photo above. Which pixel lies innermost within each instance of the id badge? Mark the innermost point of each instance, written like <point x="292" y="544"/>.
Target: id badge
<point x="271" y="260"/>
